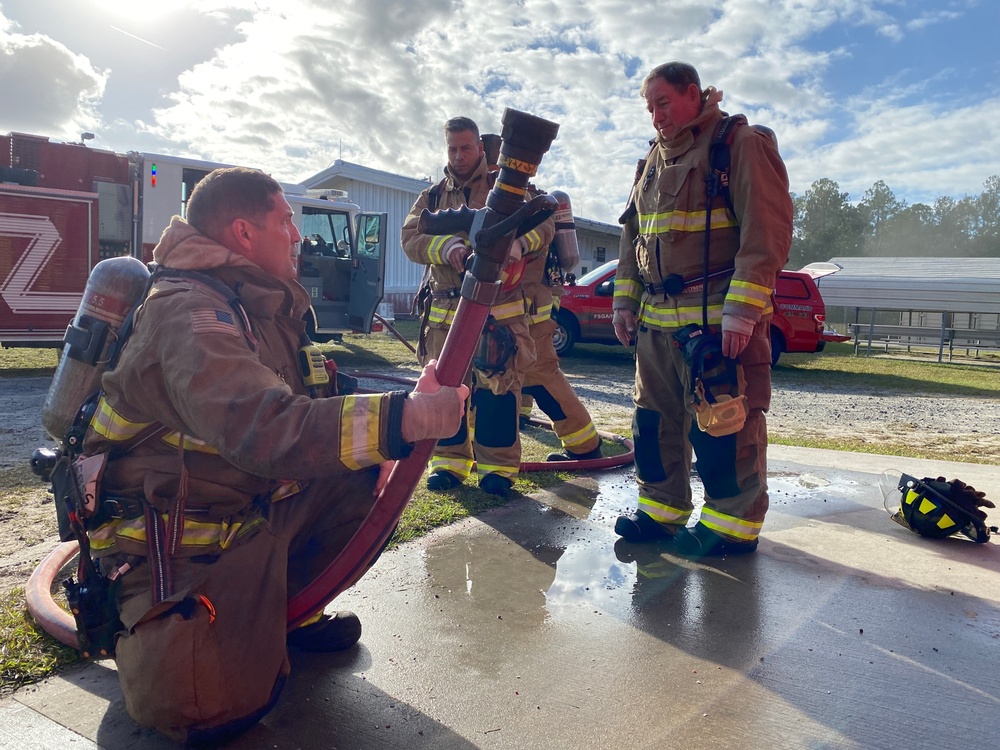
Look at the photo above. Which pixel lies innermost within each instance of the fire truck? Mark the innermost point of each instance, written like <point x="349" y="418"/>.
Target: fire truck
<point x="65" y="206"/>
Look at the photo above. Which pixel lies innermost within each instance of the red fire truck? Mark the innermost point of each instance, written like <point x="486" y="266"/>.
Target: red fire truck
<point x="65" y="206"/>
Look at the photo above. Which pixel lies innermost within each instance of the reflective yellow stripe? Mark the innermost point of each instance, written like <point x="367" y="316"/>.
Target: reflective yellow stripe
<point x="460" y="467"/>
<point x="669" y="317"/>
<point x="663" y="513"/>
<point x="111" y="425"/>
<point x="359" y="431"/>
<point x="749" y="293"/>
<point x="441" y="315"/>
<point x="738" y="528"/>
<point x="190" y="443"/>
<point x="541" y="314"/>
<point x="580" y="437"/>
<point x="435" y="247"/>
<point x="684" y="221"/>
<point x="508" y="310"/>
<point x="533" y="240"/>
<point x="505" y="471"/>
<point x="628" y="289"/>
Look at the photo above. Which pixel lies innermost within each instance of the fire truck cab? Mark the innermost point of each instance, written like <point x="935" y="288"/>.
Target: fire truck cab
<point x="64" y="207"/>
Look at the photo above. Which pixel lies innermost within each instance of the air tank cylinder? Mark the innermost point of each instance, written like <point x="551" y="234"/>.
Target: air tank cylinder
<point x="565" y="240"/>
<point x="113" y="289"/>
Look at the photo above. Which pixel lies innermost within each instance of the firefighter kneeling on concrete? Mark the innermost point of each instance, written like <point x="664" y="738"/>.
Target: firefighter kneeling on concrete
<point x="237" y="479"/>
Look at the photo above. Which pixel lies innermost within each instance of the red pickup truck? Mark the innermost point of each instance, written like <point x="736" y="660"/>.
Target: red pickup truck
<point x="798" y="325"/>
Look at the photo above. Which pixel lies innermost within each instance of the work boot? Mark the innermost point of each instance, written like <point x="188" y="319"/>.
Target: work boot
<point x="701" y="541"/>
<point x="568" y="455"/>
<point x="523" y="422"/>
<point x="442" y="480"/>
<point x="641" y="527"/>
<point x="335" y="632"/>
<point x="496" y="484"/>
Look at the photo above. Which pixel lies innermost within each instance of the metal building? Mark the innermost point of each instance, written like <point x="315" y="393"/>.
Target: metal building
<point x="375" y="190"/>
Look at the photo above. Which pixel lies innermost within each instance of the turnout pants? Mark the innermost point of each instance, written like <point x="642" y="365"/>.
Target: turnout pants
<point x="455" y="453"/>
<point x="548" y="386"/>
<point x="732" y="468"/>
<point x="211" y="660"/>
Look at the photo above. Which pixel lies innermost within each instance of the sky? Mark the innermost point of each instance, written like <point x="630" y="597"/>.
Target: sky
<point x="903" y="91"/>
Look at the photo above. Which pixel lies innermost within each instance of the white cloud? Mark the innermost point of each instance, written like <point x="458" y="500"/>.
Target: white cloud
<point x="47" y="89"/>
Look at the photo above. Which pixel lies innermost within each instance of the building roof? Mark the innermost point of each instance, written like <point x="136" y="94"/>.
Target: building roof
<point x="335" y="175"/>
<point x="967" y="285"/>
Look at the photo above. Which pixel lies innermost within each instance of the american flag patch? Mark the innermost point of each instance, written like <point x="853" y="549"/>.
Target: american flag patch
<point x="214" y="321"/>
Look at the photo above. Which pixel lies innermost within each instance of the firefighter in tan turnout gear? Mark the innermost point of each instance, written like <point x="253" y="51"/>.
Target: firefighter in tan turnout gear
<point x="489" y="437"/>
<point x="234" y="475"/>
<point x="664" y="257"/>
<point x="545" y="383"/>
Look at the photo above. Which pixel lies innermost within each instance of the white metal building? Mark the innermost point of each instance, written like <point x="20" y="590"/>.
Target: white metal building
<point x="926" y="288"/>
<point x="375" y="190"/>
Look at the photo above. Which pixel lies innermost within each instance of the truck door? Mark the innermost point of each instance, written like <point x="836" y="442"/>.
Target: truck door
<point x="368" y="270"/>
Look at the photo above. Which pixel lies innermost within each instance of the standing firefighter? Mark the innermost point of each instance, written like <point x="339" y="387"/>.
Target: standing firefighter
<point x="694" y="386"/>
<point x="493" y="441"/>
<point x="545" y="382"/>
<point x="235" y="473"/>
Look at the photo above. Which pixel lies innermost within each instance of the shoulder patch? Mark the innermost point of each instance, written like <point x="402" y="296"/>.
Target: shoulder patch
<point x="214" y="321"/>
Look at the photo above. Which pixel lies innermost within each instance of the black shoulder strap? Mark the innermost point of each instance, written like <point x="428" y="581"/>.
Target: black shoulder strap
<point x="434" y="195"/>
<point x="719" y="160"/>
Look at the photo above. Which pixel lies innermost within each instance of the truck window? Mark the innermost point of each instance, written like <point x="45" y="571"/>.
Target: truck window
<point x="789" y="286"/>
<point x="369" y="227"/>
<point x="325" y="233"/>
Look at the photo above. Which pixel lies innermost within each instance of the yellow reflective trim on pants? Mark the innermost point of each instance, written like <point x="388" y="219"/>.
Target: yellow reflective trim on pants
<point x="109" y="424"/>
<point x="541" y="314"/>
<point x="508" y="310"/>
<point x="579" y="437"/>
<point x="190" y="443"/>
<point x="662" y="512"/>
<point x="359" y="431"/>
<point x="460" y="467"/>
<point x="731" y="526"/>
<point x="505" y="471"/>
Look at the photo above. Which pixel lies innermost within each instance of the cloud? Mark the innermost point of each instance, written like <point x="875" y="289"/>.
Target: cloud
<point x="47" y="88"/>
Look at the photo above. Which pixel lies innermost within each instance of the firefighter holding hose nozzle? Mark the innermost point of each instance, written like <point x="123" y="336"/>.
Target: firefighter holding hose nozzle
<point x="232" y="468"/>
<point x="489" y="436"/>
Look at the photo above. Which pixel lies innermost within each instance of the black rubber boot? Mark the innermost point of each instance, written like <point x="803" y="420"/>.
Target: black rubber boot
<point x="641" y="527"/>
<point x="701" y="541"/>
<point x="568" y="455"/>
<point x="442" y="480"/>
<point x="335" y="632"/>
<point x="496" y="484"/>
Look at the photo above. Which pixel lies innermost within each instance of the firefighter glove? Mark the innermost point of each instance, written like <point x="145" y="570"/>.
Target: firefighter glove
<point x="967" y="497"/>
<point x="433" y="410"/>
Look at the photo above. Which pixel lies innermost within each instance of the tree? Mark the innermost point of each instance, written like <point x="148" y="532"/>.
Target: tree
<point x="825" y="225"/>
<point x="880" y="207"/>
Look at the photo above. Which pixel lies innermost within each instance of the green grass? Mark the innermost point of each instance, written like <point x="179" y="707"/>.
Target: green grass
<point x="28" y="654"/>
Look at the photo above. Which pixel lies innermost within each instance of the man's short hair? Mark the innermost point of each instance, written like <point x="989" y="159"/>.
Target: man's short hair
<point x="680" y="75"/>
<point x="460" y="124"/>
<point x="228" y="194"/>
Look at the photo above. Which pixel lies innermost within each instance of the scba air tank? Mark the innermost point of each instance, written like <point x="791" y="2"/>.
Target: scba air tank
<point x="114" y="287"/>
<point x="565" y="240"/>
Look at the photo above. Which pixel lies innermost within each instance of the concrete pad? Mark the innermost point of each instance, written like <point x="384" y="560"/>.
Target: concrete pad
<point x="531" y="627"/>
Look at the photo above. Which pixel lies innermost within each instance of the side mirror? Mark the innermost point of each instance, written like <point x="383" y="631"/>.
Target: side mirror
<point x="571" y="279"/>
<point x="606" y="288"/>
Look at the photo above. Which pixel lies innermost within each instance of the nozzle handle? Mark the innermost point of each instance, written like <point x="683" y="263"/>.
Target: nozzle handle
<point x="450" y="221"/>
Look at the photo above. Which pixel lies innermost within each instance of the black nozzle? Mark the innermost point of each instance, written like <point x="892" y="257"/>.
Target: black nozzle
<point x="43" y="461"/>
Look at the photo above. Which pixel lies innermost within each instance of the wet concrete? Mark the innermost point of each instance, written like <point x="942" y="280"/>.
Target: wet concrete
<point x="530" y="627"/>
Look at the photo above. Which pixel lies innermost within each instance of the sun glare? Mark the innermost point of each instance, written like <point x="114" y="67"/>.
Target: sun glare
<point x="140" y="11"/>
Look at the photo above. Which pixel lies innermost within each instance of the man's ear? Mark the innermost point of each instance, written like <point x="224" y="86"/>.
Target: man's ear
<point x="241" y="232"/>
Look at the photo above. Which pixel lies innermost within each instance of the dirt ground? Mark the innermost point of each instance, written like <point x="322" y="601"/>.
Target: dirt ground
<point x="967" y="425"/>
